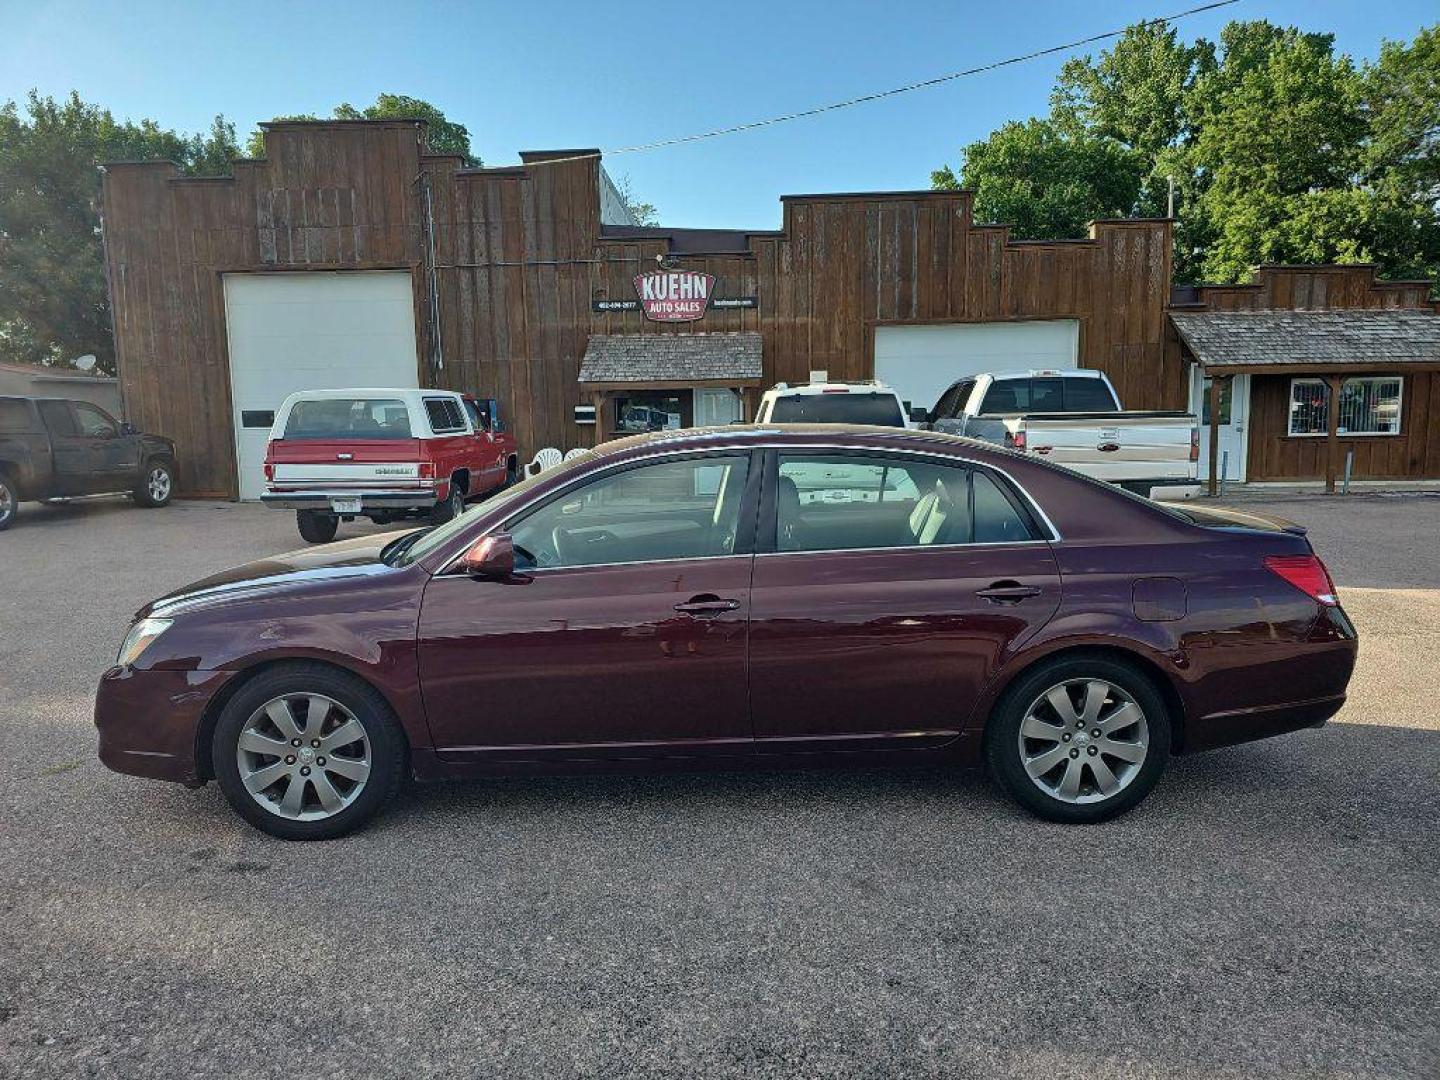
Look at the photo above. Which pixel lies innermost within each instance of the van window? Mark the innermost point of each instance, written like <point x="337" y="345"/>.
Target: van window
<point x="348" y="418"/>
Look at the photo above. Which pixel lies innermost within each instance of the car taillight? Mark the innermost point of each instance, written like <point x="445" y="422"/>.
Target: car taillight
<point x="1307" y="573"/>
<point x="1018" y="440"/>
<point x="1194" y="444"/>
<point x="269" y="471"/>
<point x="835" y="390"/>
<point x="427" y="470"/>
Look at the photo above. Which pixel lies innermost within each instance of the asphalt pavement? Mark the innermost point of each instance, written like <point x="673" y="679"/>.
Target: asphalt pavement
<point x="1271" y="910"/>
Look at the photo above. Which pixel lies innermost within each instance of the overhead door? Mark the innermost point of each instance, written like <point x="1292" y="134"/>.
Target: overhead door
<point x="921" y="362"/>
<point x="310" y="331"/>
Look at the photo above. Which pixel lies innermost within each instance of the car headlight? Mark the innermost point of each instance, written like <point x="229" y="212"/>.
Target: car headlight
<point x="139" y="639"/>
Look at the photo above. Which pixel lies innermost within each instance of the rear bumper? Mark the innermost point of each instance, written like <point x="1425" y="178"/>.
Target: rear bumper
<point x="397" y="499"/>
<point x="1247" y="725"/>
<point x="148" y="720"/>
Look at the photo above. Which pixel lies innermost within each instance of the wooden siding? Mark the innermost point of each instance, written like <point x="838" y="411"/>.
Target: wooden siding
<point x="1274" y="455"/>
<point x="519" y="260"/>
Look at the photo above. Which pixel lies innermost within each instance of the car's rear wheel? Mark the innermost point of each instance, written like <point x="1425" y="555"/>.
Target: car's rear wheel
<point x="316" y="527"/>
<point x="157" y="483"/>
<point x="9" y="502"/>
<point x="306" y="752"/>
<point x="450" y="507"/>
<point x="1079" y="739"/>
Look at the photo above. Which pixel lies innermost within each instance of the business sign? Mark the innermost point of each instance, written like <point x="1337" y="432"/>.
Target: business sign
<point x="674" y="295"/>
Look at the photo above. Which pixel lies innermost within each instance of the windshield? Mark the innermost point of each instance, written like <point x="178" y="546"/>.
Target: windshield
<point x="848" y="408"/>
<point x="348" y="418"/>
<point x="416" y="546"/>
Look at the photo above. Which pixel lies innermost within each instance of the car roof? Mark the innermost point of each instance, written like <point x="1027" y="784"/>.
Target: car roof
<point x="845" y="436"/>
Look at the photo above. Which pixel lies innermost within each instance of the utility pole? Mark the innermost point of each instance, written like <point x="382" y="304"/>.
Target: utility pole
<point x="1170" y="201"/>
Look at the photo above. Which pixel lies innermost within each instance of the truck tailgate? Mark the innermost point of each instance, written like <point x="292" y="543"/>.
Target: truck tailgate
<point x="361" y="463"/>
<point x="1138" y="447"/>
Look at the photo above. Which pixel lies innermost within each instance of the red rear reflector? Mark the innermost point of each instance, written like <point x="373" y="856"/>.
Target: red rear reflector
<point x="1307" y="573"/>
<point x="427" y="470"/>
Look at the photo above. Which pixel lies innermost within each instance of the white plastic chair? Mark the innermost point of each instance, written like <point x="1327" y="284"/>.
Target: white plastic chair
<point x="545" y="458"/>
<point x="571" y="455"/>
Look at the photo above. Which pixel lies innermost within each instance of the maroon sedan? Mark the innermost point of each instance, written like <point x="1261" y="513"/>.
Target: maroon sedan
<point x="740" y="596"/>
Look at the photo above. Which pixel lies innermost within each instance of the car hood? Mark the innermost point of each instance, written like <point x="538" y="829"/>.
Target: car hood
<point x="291" y="570"/>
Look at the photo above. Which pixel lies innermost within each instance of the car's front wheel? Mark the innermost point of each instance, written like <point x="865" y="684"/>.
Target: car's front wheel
<point x="315" y="527"/>
<point x="9" y="502"/>
<point x="1079" y="739"/>
<point x="307" y="752"/>
<point x="157" y="483"/>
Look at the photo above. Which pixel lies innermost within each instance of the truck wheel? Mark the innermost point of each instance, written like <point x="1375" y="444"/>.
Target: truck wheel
<point x="156" y="484"/>
<point x="9" y="502"/>
<point x="450" y="507"/>
<point x="316" y="527"/>
<point x="512" y="473"/>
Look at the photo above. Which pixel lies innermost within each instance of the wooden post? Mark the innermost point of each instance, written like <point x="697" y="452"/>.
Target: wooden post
<point x="1214" y="434"/>
<point x="600" y="399"/>
<point x="747" y="404"/>
<point x="1332" y="439"/>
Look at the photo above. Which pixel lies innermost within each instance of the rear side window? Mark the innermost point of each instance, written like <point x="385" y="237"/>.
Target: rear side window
<point x="995" y="517"/>
<point x="445" y="416"/>
<point x="1088" y="395"/>
<point x="14" y="415"/>
<point x="349" y="418"/>
<point x="849" y="408"/>
<point x="56" y="415"/>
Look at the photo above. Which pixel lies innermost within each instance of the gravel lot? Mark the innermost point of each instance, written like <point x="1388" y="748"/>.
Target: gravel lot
<point x="1272" y="910"/>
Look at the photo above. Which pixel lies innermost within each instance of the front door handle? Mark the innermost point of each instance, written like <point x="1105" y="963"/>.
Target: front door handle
<point x="706" y="604"/>
<point x="1007" y="592"/>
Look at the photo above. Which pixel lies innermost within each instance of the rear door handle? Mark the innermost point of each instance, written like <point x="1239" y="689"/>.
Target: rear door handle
<point x="706" y="605"/>
<point x="1007" y="592"/>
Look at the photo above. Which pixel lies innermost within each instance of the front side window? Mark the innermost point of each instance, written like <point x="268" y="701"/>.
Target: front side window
<point x="348" y="418"/>
<point x="849" y="407"/>
<point x="1369" y="405"/>
<point x="848" y="501"/>
<point x="686" y="509"/>
<point x="95" y="423"/>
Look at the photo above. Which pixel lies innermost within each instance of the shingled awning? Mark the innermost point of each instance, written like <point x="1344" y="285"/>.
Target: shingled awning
<point x="1280" y="342"/>
<point x="727" y="359"/>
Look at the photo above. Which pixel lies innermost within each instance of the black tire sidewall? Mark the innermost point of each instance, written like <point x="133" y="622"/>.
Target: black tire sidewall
<point x="142" y="492"/>
<point x="1002" y="748"/>
<point x="9" y="518"/>
<point x="311" y="529"/>
<point x="388" y="748"/>
<point x="449" y="508"/>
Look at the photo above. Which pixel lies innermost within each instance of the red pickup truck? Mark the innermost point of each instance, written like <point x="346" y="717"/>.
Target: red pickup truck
<point x="388" y="455"/>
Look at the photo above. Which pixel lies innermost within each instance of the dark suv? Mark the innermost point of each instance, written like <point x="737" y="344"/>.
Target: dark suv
<point x="52" y="448"/>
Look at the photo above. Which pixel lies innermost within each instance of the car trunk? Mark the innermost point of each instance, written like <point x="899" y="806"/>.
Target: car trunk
<point x="390" y="463"/>
<point x="1221" y="517"/>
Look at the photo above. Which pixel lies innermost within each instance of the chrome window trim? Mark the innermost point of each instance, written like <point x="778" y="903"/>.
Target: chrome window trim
<point x="692" y="451"/>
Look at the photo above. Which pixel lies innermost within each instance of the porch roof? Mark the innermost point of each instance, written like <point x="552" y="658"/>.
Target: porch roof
<point x="731" y="358"/>
<point x="1287" y="341"/>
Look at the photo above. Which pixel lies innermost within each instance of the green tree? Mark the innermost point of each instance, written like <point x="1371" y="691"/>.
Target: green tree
<point x="1047" y="184"/>
<point x="53" y="302"/>
<point x="644" y="213"/>
<point x="444" y="135"/>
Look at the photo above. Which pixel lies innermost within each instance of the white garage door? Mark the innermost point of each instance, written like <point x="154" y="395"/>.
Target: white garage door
<point x="921" y="362"/>
<point x="310" y="331"/>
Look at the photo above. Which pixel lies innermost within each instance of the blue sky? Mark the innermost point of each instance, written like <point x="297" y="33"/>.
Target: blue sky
<point x="551" y="74"/>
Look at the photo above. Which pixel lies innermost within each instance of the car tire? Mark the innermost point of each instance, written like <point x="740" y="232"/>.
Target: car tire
<point x="1041" y="743"/>
<point x="315" y="527"/>
<point x="157" y="484"/>
<point x="9" y="502"/>
<point x="337" y="794"/>
<point x="450" y="507"/>
<point x="512" y="473"/>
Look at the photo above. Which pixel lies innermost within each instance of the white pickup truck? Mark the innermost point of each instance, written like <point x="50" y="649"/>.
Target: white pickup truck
<point x="1074" y="418"/>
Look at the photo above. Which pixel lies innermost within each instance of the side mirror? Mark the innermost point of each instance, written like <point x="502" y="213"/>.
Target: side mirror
<point x="128" y="428"/>
<point x="492" y="557"/>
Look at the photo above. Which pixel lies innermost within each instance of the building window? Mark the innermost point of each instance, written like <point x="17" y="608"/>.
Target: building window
<point x="652" y="410"/>
<point x="1369" y="405"/>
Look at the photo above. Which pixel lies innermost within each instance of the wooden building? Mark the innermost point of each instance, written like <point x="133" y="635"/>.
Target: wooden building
<point x="349" y="255"/>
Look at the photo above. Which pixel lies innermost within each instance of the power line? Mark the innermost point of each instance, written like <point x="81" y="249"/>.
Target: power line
<point x="923" y="84"/>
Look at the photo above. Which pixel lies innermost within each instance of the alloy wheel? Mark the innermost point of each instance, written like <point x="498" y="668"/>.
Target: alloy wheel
<point x="1083" y="740"/>
<point x="159" y="484"/>
<point x="7" y="503"/>
<point x="305" y="757"/>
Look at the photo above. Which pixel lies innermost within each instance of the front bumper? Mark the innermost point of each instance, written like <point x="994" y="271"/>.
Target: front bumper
<point x="370" y="501"/>
<point x="149" y="721"/>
